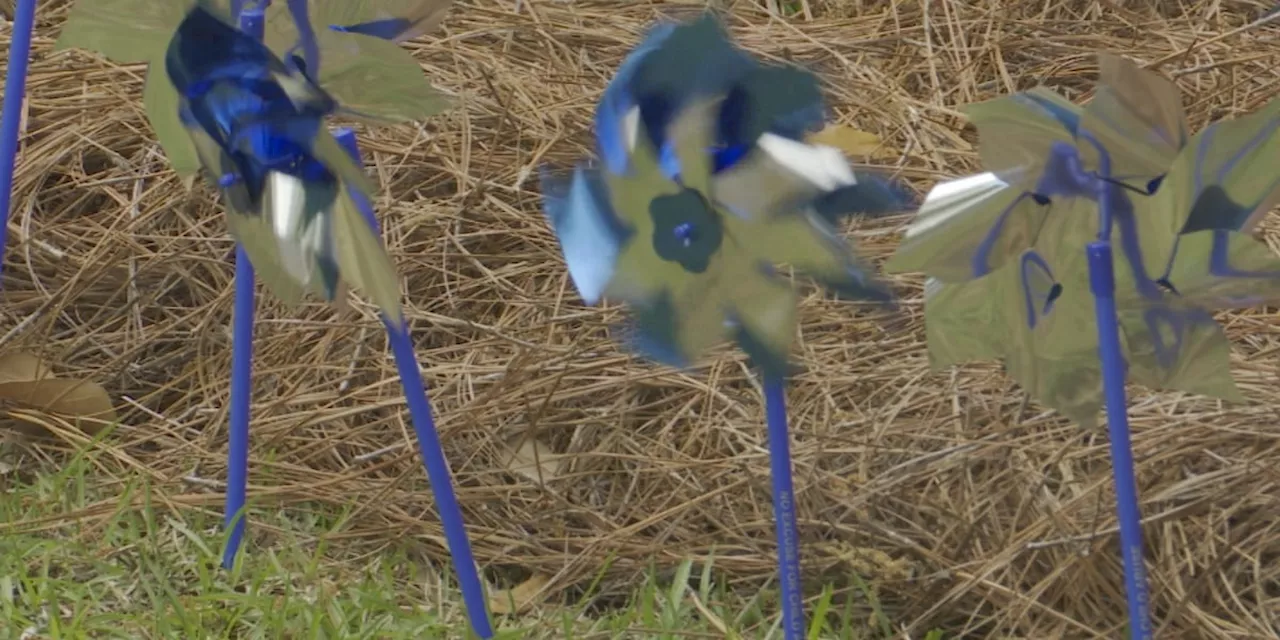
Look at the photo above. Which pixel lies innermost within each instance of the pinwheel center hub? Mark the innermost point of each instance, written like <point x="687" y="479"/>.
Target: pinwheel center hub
<point x="686" y="229"/>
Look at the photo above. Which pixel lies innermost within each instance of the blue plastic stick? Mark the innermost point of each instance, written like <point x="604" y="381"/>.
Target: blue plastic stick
<point x="15" y="89"/>
<point x="1102" y="282"/>
<point x="784" y="509"/>
<point x="252" y="21"/>
<point x="415" y="395"/>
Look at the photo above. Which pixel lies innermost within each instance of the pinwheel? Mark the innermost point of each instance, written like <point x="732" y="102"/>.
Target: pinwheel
<point x="705" y="186"/>
<point x="243" y="94"/>
<point x="1019" y="259"/>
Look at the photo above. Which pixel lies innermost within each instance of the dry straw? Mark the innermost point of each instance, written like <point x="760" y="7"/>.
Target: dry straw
<point x="970" y="508"/>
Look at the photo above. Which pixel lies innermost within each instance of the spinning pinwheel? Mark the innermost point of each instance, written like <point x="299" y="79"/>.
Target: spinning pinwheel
<point x="1012" y="255"/>
<point x="250" y="112"/>
<point x="706" y="185"/>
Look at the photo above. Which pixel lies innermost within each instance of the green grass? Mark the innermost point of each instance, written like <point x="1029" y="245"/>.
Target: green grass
<point x="152" y="572"/>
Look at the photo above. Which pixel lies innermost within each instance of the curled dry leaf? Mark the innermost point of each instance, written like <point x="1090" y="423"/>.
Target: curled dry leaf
<point x="531" y="458"/>
<point x="851" y="141"/>
<point x="28" y="381"/>
<point x="519" y="598"/>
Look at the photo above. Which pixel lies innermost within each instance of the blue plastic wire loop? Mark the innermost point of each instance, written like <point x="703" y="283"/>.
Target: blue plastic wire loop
<point x="784" y="509"/>
<point x="1102" y="283"/>
<point x="252" y="21"/>
<point x="15" y="89"/>
<point x="415" y="394"/>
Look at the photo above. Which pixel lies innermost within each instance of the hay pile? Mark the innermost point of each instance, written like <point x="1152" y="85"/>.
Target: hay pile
<point x="968" y="507"/>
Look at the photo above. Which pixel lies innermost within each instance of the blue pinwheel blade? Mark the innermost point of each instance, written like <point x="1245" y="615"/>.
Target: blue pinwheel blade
<point x="673" y="66"/>
<point x="870" y="196"/>
<point x="677" y="65"/>
<point x="589" y="233"/>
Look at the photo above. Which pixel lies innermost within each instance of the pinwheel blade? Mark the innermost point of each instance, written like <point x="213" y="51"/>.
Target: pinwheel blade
<point x="1178" y="349"/>
<point x="369" y="78"/>
<point x="590" y="235"/>
<point x="125" y="31"/>
<point x="248" y="226"/>
<point x="1227" y="177"/>
<point x="162" y="106"/>
<point x="807" y="243"/>
<point x="962" y="323"/>
<point x="1016" y="132"/>
<point x="675" y="66"/>
<point x="1223" y="269"/>
<point x="689" y="139"/>
<point x="361" y="257"/>
<point x="391" y="20"/>
<point x="779" y="176"/>
<point x="969" y="227"/>
<point x="765" y="317"/>
<point x="1136" y="119"/>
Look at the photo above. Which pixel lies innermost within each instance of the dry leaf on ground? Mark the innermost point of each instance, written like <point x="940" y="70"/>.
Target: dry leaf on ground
<point x="28" y="381"/>
<point x="531" y="458"/>
<point x="520" y="597"/>
<point x="852" y="142"/>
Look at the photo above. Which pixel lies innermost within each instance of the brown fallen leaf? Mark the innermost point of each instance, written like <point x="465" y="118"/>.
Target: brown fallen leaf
<point x="22" y="367"/>
<point x="519" y="598"/>
<point x="28" y="381"/>
<point x="852" y="142"/>
<point x="531" y="458"/>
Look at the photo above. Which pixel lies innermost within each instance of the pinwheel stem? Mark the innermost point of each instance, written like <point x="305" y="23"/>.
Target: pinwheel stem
<point x="415" y="394"/>
<point x="784" y="509"/>
<point x="1102" y="283"/>
<point x="241" y="394"/>
<point x="252" y="22"/>
<point x="15" y="88"/>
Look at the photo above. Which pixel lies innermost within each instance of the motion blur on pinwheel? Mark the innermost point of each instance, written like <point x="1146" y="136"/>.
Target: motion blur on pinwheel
<point x="252" y="115"/>
<point x="242" y="90"/>
<point x="705" y="186"/>
<point x="1020" y="267"/>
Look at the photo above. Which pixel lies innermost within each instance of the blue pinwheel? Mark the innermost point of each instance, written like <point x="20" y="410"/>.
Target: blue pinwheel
<point x="705" y="186"/>
<point x="243" y="94"/>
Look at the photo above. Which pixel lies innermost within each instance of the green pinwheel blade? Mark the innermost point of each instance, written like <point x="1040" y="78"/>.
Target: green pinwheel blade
<point x="1223" y="269"/>
<point x="335" y="158"/>
<point x="807" y="242"/>
<point x="765" y="311"/>
<point x="962" y="323"/>
<point x="372" y="79"/>
<point x="1056" y="360"/>
<point x="1180" y="350"/>
<point x="641" y="273"/>
<point x="300" y="218"/>
<point x="1036" y="312"/>
<point x="161" y="102"/>
<point x="1016" y="132"/>
<point x="969" y="227"/>
<point x="1227" y="177"/>
<point x="362" y="259"/>
<point x="1136" y="116"/>
<point x="691" y="135"/>
<point x="125" y="31"/>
